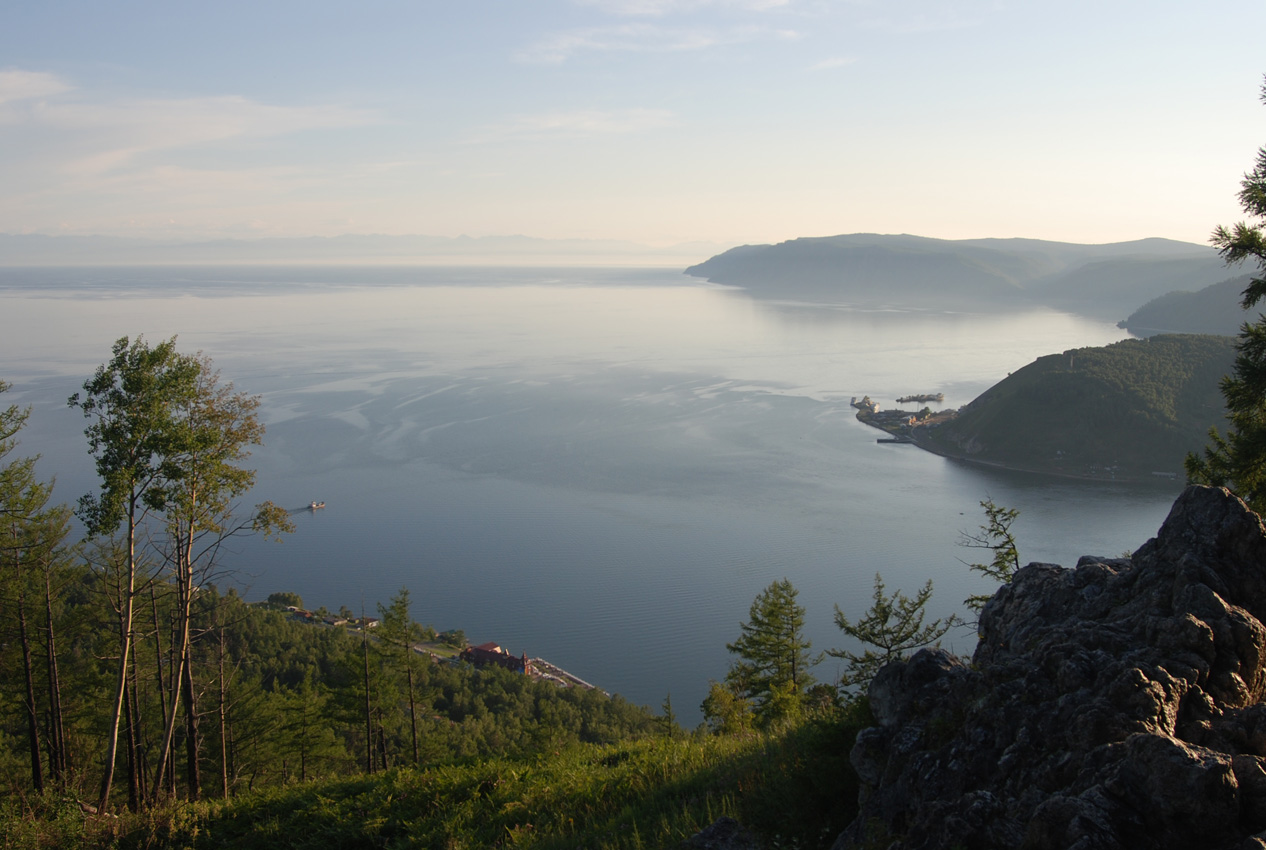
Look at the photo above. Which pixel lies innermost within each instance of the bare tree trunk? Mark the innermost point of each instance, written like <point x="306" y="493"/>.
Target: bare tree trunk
<point x="369" y="723"/>
<point x="32" y="711"/>
<point x="173" y="688"/>
<point x="58" y="758"/>
<point x="303" y="743"/>
<point x="382" y="743"/>
<point x="126" y="595"/>
<point x="137" y="751"/>
<point x="163" y="765"/>
<point x="180" y="655"/>
<point x="232" y="748"/>
<point x="413" y="711"/>
<point x="133" y="794"/>
<point x="220" y="710"/>
<point x="192" y="743"/>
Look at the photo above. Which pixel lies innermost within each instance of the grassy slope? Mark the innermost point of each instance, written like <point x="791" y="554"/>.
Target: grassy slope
<point x="794" y="787"/>
<point x="1138" y="405"/>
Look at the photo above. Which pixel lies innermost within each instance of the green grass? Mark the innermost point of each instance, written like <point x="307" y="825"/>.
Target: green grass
<point x="793" y="787"/>
<point x="439" y="648"/>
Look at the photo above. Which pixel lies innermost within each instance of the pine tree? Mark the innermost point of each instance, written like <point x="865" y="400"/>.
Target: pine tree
<point x="994" y="535"/>
<point x="1237" y="460"/>
<point x="726" y="712"/>
<point x="668" y="718"/>
<point x="32" y="534"/>
<point x="892" y="627"/>
<point x="774" y="652"/>
<point x="399" y="631"/>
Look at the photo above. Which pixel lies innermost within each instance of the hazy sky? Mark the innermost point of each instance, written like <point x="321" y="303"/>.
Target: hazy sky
<point x="653" y="120"/>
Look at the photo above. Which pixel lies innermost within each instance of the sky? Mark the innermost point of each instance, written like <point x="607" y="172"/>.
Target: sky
<point x="655" y="121"/>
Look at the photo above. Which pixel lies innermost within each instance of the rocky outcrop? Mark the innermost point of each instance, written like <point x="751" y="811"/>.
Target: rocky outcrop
<point x="1118" y="704"/>
<point x="725" y="834"/>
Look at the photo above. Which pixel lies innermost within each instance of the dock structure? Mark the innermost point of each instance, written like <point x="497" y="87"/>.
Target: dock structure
<point x="482" y="655"/>
<point x="865" y="405"/>
<point x="899" y="425"/>
<point x="558" y="675"/>
<point x="535" y="668"/>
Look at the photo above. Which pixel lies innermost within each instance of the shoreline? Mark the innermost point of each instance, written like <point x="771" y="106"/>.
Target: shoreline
<point x="437" y="651"/>
<point x="913" y="433"/>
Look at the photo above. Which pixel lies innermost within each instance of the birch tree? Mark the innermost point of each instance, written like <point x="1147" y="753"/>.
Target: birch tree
<point x="132" y="437"/>
<point x="169" y="439"/>
<point x="215" y="427"/>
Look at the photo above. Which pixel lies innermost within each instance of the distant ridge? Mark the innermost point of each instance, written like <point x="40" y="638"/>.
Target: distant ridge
<point x="868" y="269"/>
<point x="43" y="250"/>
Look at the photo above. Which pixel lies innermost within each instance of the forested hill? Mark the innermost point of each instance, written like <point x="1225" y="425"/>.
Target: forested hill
<point x="1121" y="411"/>
<point x="1104" y="281"/>
<point x="1215" y="309"/>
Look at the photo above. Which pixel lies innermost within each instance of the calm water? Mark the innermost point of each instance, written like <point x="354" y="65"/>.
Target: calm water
<point x="599" y="467"/>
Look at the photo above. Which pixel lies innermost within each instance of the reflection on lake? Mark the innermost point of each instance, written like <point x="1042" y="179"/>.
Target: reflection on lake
<point x="599" y="467"/>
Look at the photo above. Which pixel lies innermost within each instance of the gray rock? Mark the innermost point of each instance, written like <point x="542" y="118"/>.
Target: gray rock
<point x="1113" y="705"/>
<point x="725" y="834"/>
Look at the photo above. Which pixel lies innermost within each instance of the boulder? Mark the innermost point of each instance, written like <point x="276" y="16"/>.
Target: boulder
<point x="1114" y="705"/>
<point x="725" y="834"/>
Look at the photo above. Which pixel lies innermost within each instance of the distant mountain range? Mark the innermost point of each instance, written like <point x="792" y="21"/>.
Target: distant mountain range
<point x="1106" y="282"/>
<point x="41" y="250"/>
<point x="873" y="270"/>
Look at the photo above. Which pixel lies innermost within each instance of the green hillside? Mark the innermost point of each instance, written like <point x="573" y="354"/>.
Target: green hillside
<point x="793" y="787"/>
<point x="504" y="760"/>
<point x="1124" y="410"/>
<point x="1215" y="309"/>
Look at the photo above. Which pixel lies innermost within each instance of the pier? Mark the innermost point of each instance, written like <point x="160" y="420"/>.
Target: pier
<point x="899" y="425"/>
<point x="552" y="673"/>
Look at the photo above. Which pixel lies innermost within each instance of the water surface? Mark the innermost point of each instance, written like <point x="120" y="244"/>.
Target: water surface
<point x="601" y="467"/>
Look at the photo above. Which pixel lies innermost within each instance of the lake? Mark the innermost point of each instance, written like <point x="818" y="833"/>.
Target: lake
<point x="601" y="467"/>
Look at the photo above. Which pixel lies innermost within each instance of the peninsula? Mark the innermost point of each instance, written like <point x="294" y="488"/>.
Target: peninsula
<point x="1216" y="309"/>
<point x="1127" y="411"/>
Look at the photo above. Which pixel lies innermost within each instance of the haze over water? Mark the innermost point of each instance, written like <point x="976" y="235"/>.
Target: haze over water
<point x="600" y="467"/>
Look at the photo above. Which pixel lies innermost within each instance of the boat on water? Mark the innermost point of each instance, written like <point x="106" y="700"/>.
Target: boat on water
<point x="312" y="506"/>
